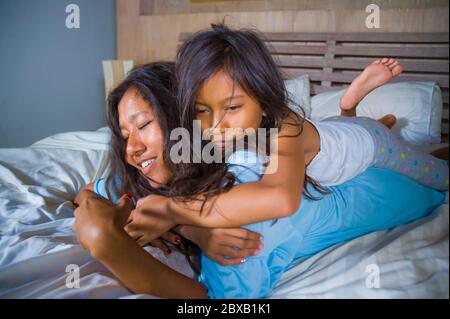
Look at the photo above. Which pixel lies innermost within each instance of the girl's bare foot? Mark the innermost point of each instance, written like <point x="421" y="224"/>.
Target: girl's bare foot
<point x="376" y="74"/>
<point x="441" y="153"/>
<point x="388" y="120"/>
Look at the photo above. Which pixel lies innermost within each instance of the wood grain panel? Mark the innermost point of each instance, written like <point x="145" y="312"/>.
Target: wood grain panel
<point x="155" y="37"/>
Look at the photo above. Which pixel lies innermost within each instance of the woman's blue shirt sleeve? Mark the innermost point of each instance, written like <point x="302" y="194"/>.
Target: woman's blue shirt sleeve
<point x="100" y="188"/>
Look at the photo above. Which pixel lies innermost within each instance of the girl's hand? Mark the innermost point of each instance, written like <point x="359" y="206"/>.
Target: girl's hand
<point x="160" y="243"/>
<point x="216" y="243"/>
<point x="149" y="220"/>
<point x="98" y="222"/>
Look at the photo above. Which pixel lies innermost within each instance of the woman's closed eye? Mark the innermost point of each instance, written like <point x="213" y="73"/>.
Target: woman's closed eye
<point x="142" y="126"/>
<point x="202" y="111"/>
<point x="139" y="127"/>
<point x="233" y="108"/>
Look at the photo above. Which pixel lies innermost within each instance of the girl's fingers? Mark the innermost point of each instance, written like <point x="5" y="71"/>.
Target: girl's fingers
<point x="138" y="240"/>
<point x="243" y="233"/>
<point x="252" y="244"/>
<point x="158" y="243"/>
<point x="171" y="237"/>
<point x="241" y="243"/>
<point x="129" y="228"/>
<point x="135" y="235"/>
<point x="228" y="261"/>
<point x="237" y="253"/>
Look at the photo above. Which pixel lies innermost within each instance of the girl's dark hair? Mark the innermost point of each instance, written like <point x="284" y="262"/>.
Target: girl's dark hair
<point x="155" y="82"/>
<point x="246" y="59"/>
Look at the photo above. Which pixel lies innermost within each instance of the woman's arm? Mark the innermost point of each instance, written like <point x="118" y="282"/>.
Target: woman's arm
<point x="276" y="195"/>
<point x="144" y="274"/>
<point x="99" y="228"/>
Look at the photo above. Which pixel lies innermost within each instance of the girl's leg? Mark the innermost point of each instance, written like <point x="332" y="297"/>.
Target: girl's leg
<point x="394" y="154"/>
<point x="441" y="153"/>
<point x="388" y="120"/>
<point x="376" y="74"/>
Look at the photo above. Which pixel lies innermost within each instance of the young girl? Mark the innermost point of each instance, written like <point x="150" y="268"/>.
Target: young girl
<point x="228" y="79"/>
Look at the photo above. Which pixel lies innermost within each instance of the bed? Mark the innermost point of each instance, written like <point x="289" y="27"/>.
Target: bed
<point x="37" y="184"/>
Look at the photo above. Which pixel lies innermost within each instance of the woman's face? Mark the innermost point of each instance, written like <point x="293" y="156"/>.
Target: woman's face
<point x="144" y="138"/>
<point x="222" y="105"/>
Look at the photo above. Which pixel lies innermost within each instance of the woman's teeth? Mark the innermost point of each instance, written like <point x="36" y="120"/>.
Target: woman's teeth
<point x="147" y="163"/>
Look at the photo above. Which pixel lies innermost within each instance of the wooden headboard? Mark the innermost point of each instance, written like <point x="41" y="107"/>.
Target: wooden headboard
<point x="333" y="60"/>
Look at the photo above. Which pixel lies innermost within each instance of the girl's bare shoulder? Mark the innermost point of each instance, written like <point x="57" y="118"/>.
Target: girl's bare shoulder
<point x="296" y="125"/>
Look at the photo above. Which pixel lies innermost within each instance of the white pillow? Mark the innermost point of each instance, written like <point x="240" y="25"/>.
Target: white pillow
<point x="299" y="93"/>
<point x="417" y="106"/>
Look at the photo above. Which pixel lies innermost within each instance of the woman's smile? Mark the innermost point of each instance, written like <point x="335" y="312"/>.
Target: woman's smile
<point x="146" y="166"/>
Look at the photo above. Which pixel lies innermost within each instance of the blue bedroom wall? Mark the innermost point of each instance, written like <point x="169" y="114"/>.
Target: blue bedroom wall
<point x="51" y="77"/>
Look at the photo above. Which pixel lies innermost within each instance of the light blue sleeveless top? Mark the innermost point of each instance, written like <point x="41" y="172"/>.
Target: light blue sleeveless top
<point x="374" y="200"/>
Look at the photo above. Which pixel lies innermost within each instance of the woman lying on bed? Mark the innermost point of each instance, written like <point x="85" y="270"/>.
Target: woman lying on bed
<point x="143" y="104"/>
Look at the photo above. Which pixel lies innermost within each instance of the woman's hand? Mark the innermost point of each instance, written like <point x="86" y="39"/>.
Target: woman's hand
<point x="216" y="243"/>
<point x="98" y="222"/>
<point x="85" y="192"/>
<point x="149" y="220"/>
<point x="99" y="227"/>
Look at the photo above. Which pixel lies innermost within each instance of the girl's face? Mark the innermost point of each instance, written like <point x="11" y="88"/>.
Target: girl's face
<point x="222" y="105"/>
<point x="143" y="138"/>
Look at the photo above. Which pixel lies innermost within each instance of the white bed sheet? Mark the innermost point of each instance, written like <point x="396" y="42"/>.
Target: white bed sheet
<point x="37" y="243"/>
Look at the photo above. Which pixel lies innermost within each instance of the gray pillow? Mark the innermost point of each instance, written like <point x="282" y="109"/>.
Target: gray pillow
<point x="298" y="93"/>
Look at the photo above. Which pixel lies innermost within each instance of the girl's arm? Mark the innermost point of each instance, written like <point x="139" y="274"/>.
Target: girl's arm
<point x="276" y="195"/>
<point x="99" y="228"/>
<point x="216" y="243"/>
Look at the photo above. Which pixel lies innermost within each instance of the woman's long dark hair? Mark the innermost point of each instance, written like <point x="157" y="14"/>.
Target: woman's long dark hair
<point x="155" y="82"/>
<point x="246" y="59"/>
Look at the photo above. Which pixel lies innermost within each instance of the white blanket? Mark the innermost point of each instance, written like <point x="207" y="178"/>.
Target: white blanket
<point x="37" y="243"/>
